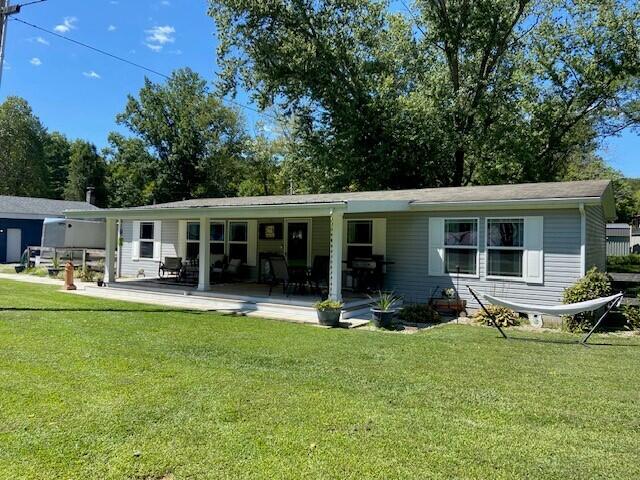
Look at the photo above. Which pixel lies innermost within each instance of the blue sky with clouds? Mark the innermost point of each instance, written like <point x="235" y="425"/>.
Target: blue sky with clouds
<point x="79" y="92"/>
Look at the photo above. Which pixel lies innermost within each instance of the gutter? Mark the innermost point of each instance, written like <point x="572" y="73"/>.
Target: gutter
<point x="513" y="204"/>
<point x="583" y="240"/>
<point x="222" y="211"/>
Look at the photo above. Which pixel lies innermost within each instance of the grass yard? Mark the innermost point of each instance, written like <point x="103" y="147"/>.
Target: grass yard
<point x="92" y="389"/>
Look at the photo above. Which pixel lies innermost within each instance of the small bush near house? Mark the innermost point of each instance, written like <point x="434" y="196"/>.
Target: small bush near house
<point x="505" y="317"/>
<point x="419" y="313"/>
<point x="87" y="275"/>
<point x="594" y="284"/>
<point x="632" y="315"/>
<point x="624" y="264"/>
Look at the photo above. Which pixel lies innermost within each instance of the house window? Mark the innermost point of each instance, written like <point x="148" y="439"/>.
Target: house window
<point x="505" y="247"/>
<point x="461" y="246"/>
<point x="238" y="240"/>
<point x="216" y="238"/>
<point x="359" y="239"/>
<point x="193" y="241"/>
<point x="146" y="239"/>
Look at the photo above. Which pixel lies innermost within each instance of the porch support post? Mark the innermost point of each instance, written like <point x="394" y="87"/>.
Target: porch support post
<point x="110" y="250"/>
<point x="205" y="255"/>
<point x="335" y="266"/>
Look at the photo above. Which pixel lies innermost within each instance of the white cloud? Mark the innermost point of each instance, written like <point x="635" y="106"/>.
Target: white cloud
<point x="67" y="24"/>
<point x="41" y="41"/>
<point x="159" y="36"/>
<point x="111" y="28"/>
<point x="35" y="61"/>
<point x="92" y="74"/>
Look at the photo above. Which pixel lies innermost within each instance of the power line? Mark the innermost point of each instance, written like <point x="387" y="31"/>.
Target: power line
<point x="103" y="52"/>
<point x="129" y="62"/>
<point x="31" y="3"/>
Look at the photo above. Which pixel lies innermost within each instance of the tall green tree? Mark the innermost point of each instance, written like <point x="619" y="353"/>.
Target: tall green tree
<point x="263" y="167"/>
<point x="57" y="151"/>
<point x="456" y="92"/>
<point x="196" y="139"/>
<point x="593" y="167"/>
<point x="131" y="172"/>
<point x="23" y="170"/>
<point x="86" y="169"/>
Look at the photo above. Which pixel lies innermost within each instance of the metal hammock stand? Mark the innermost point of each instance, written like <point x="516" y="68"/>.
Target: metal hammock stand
<point x="591" y="305"/>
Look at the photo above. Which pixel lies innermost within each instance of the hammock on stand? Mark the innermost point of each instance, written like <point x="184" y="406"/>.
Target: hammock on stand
<point x="610" y="302"/>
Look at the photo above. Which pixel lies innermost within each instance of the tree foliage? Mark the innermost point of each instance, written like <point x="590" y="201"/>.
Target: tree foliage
<point x="23" y="171"/>
<point x="86" y="169"/>
<point x="196" y="140"/>
<point x="57" y="151"/>
<point x="457" y="92"/>
<point x="131" y="172"/>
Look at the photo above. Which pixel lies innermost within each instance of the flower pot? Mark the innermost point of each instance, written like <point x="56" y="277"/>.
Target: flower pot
<point x="19" y="268"/>
<point x="382" y="318"/>
<point x="100" y="283"/>
<point x="329" y="318"/>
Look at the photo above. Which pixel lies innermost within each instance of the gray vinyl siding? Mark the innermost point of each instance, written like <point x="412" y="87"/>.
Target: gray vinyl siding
<point x="168" y="248"/>
<point x="595" y="245"/>
<point x="408" y="242"/>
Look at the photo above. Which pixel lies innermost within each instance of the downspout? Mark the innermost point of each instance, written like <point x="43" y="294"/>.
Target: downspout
<point x="583" y="240"/>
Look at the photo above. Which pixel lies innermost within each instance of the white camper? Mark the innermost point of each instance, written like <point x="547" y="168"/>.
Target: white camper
<point x="67" y="233"/>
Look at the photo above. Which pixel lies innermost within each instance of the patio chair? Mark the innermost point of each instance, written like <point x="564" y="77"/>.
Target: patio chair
<point x="231" y="270"/>
<point x="319" y="275"/>
<point x="172" y="266"/>
<point x="218" y="264"/>
<point x="279" y="273"/>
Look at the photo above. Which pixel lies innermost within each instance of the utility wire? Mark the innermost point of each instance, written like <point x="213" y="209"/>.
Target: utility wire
<point x="103" y="52"/>
<point x="31" y="3"/>
<point x="129" y="62"/>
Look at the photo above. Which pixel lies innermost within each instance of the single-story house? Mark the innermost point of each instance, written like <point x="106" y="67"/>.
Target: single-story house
<point x="618" y="239"/>
<point x="21" y="220"/>
<point x="525" y="242"/>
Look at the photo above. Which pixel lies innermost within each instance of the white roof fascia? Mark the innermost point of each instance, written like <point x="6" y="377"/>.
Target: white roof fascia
<point x="549" y="203"/>
<point x="218" y="212"/>
<point x="374" y="206"/>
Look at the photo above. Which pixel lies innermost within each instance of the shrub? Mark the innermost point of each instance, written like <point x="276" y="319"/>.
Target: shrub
<point x="505" y="317"/>
<point x="328" y="305"/>
<point x="594" y="284"/>
<point x="87" y="275"/>
<point x="624" y="264"/>
<point x="419" y="313"/>
<point x="632" y="314"/>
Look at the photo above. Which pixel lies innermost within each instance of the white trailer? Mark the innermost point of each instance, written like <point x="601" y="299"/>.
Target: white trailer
<point x="68" y="233"/>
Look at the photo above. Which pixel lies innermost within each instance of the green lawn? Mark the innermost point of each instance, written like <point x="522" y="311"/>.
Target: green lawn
<point x="98" y="389"/>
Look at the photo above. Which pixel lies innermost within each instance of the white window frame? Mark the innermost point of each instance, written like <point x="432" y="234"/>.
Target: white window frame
<point x="522" y="248"/>
<point x="224" y="234"/>
<point x="151" y="240"/>
<point x="187" y="241"/>
<point x="346" y="235"/>
<point x="461" y="247"/>
<point x="230" y="242"/>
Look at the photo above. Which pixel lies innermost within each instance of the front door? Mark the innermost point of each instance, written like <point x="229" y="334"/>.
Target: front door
<point x="14" y="245"/>
<point x="298" y="242"/>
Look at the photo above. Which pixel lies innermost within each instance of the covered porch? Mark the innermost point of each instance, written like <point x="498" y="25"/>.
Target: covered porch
<point x="206" y="241"/>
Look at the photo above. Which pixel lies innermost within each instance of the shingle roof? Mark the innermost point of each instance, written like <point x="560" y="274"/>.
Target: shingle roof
<point x="527" y="191"/>
<point x="40" y="206"/>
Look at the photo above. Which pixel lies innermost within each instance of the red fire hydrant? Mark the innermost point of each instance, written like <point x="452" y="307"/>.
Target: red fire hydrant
<point x="68" y="276"/>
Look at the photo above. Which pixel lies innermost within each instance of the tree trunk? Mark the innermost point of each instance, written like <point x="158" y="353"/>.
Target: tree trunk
<point x="458" y="168"/>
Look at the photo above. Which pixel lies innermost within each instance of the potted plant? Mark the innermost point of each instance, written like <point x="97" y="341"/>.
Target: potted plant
<point x="100" y="280"/>
<point x="20" y="268"/>
<point x="54" y="269"/>
<point x="383" y="309"/>
<point x="329" y="312"/>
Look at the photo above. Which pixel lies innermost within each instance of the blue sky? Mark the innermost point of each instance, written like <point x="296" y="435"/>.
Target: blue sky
<point x="79" y="92"/>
